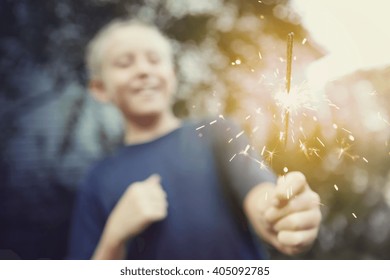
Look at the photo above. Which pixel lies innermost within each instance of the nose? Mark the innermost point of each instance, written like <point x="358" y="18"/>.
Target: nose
<point x="143" y="67"/>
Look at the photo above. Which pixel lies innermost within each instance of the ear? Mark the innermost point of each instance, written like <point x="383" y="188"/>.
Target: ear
<point x="98" y="91"/>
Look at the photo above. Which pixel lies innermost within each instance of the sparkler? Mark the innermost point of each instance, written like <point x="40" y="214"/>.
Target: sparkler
<point x="290" y="41"/>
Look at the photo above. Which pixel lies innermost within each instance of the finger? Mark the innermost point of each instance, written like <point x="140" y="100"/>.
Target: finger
<point x="289" y="186"/>
<point x="299" y="221"/>
<point x="304" y="201"/>
<point x="302" y="238"/>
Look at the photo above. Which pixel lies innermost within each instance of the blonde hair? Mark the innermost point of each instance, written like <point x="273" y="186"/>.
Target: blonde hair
<point x="95" y="46"/>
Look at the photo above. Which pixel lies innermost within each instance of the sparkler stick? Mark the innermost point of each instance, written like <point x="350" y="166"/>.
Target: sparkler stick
<point x="290" y="42"/>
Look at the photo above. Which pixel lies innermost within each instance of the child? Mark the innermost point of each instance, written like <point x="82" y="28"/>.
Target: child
<point x="171" y="192"/>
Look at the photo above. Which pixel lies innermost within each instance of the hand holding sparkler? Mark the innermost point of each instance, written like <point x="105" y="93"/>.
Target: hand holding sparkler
<point x="286" y="215"/>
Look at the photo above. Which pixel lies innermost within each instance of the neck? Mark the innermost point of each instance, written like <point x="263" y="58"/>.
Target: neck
<point x="146" y="128"/>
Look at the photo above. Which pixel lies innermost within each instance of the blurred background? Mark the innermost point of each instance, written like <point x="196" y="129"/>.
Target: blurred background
<point x="231" y="62"/>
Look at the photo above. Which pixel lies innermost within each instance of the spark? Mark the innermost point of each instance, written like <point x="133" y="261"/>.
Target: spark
<point x="245" y="152"/>
<point x="350" y="137"/>
<point x="304" y="41"/>
<point x="344" y="151"/>
<point x="239" y="134"/>
<point x="383" y="119"/>
<point x="230" y="140"/>
<point x="221" y="117"/>
<point x="255" y="129"/>
<point x="303" y="133"/>
<point x="269" y="156"/>
<point x="346" y="130"/>
<point x="238" y="61"/>
<point x="261" y="163"/>
<point x="336" y="188"/>
<point x="262" y="151"/>
<point x="334" y="105"/>
<point x="213" y="122"/>
<point x="248" y="117"/>
<point x="260" y="56"/>
<point x="303" y="149"/>
<point x="354" y="215"/>
<point x="319" y="140"/>
<point x="200" y="127"/>
<point x="314" y="151"/>
<point x="365" y="159"/>
<point x="285" y="169"/>
<point x="266" y="196"/>
<point x="232" y="157"/>
<point x="335" y="126"/>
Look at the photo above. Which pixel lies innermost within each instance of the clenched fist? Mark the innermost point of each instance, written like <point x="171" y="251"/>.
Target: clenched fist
<point x="142" y="204"/>
<point x="286" y="215"/>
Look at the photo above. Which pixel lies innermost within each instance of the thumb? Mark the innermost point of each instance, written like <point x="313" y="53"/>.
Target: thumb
<point x="281" y="195"/>
<point x="153" y="179"/>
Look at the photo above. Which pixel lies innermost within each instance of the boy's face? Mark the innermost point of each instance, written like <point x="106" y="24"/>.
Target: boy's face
<point x="137" y="72"/>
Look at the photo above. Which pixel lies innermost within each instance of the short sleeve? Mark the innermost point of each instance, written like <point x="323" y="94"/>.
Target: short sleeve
<point x="240" y="167"/>
<point x="87" y="223"/>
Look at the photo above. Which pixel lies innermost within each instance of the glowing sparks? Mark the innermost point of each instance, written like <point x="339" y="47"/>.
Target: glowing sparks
<point x="297" y="100"/>
<point x="230" y="140"/>
<point x="238" y="61"/>
<point x="354" y="215"/>
<point x="285" y="169"/>
<point x="365" y="159"/>
<point x="200" y="127"/>
<point x="304" y="41"/>
<point x="221" y="117"/>
<point x="232" y="157"/>
<point x="335" y="187"/>
<point x="213" y="122"/>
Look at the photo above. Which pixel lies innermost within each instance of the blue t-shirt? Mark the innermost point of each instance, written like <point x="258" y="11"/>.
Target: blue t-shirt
<point x="205" y="188"/>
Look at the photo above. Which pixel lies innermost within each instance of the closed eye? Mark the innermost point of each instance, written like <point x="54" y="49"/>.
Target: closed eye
<point x="124" y="62"/>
